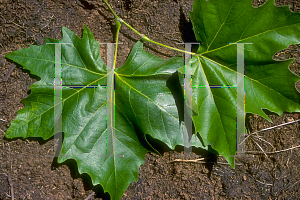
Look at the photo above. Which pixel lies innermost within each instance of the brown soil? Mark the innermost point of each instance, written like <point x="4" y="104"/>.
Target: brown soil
<point x="35" y="176"/>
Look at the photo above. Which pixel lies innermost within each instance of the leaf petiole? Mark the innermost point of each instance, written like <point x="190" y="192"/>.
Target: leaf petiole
<point x="111" y="9"/>
<point x="145" y="38"/>
<point x="117" y="39"/>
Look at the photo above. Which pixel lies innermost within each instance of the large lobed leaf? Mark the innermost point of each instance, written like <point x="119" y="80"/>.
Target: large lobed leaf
<point x="143" y="102"/>
<point x="269" y="84"/>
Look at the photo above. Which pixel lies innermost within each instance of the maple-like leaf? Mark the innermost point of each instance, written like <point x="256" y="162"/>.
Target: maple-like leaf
<point x="143" y="104"/>
<point x="269" y="84"/>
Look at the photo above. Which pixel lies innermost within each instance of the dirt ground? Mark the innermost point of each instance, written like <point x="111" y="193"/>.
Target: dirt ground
<point x="24" y="166"/>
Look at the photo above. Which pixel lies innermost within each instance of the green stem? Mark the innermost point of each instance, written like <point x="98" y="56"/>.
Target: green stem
<point x="121" y="20"/>
<point x="111" y="9"/>
<point x="149" y="40"/>
<point x="117" y="39"/>
<point x="117" y="18"/>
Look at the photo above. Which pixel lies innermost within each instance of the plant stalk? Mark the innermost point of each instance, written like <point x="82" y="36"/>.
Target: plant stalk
<point x="117" y="39"/>
<point x="111" y="9"/>
<point x="118" y="19"/>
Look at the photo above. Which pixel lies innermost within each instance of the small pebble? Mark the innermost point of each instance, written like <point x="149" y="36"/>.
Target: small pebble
<point x="289" y="119"/>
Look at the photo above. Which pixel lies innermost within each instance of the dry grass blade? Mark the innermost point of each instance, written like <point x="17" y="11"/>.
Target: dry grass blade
<point x="268" y="129"/>
<point x="180" y="160"/>
<point x="252" y="137"/>
<point x="259" y="137"/>
<point x="11" y="184"/>
<point x="258" y="152"/>
<point x="10" y="70"/>
<point x="88" y="197"/>
<point x="264" y="183"/>
<point x="260" y="147"/>
<point x="199" y="160"/>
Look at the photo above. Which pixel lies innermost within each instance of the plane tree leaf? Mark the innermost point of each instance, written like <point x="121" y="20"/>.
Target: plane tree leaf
<point x="143" y="105"/>
<point x="269" y="84"/>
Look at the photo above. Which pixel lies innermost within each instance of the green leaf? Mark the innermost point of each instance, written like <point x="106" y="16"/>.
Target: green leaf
<point x="143" y="105"/>
<point x="269" y="84"/>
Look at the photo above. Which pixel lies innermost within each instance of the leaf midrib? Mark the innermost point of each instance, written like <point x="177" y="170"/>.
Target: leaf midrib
<point x="242" y="75"/>
<point x="219" y="114"/>
<point x="240" y="40"/>
<point x="61" y="64"/>
<point x="65" y="99"/>
<point x="145" y="96"/>
<point x="220" y="26"/>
